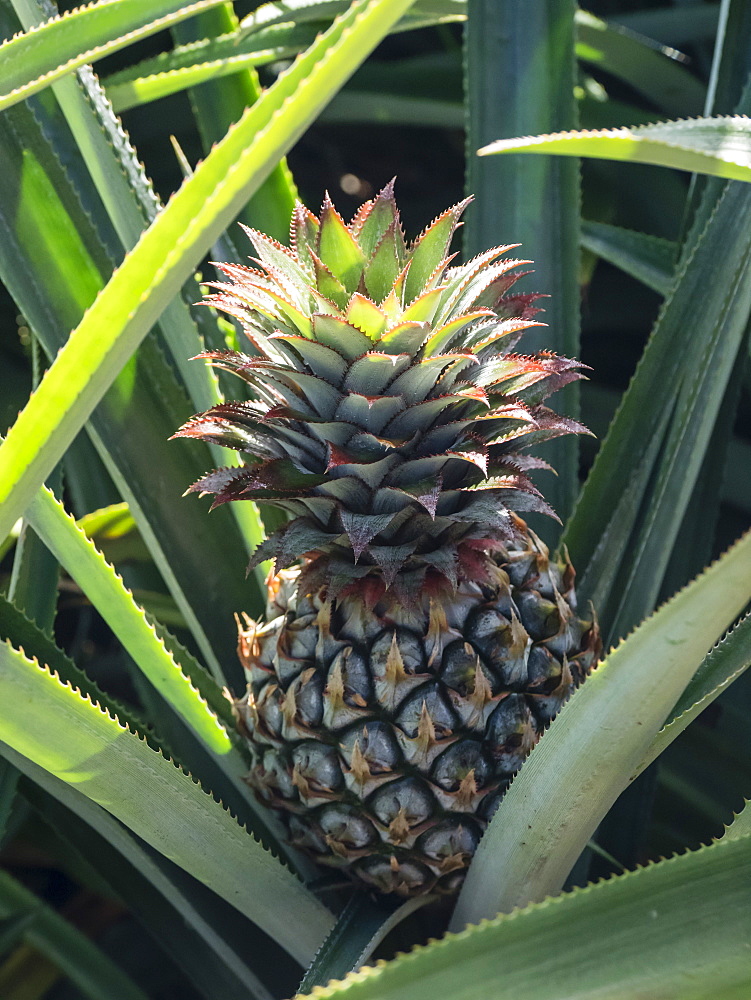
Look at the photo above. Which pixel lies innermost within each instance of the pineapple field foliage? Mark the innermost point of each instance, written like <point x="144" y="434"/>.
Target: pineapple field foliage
<point x="137" y="862"/>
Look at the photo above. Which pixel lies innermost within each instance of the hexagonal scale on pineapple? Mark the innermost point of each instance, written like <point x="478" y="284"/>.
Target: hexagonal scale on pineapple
<point x="471" y="686"/>
<point x="295" y="648"/>
<point x="395" y="658"/>
<point x="305" y="834"/>
<point x="302" y="707"/>
<point x="570" y="632"/>
<point x="540" y="617"/>
<point x="459" y="669"/>
<point x="451" y="842"/>
<point x="510" y="735"/>
<point x="347" y="691"/>
<point x="402" y="807"/>
<point x="550" y="687"/>
<point x="401" y="876"/>
<point x="273" y="777"/>
<point x="503" y="642"/>
<point x="256" y="648"/>
<point x="376" y="746"/>
<point x="316" y="771"/>
<point x="424" y="720"/>
<point x="461" y="759"/>
<point x="268" y="710"/>
<point x="346" y="830"/>
<point x="439" y="632"/>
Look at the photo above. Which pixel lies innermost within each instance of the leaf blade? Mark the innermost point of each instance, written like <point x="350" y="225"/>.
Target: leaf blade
<point x="33" y="60"/>
<point x="719" y="146"/>
<point x="676" y="930"/>
<point x="78" y="958"/>
<point x="79" y="742"/>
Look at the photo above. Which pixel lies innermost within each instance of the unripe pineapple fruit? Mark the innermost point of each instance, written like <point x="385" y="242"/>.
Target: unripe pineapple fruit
<point x="419" y="637"/>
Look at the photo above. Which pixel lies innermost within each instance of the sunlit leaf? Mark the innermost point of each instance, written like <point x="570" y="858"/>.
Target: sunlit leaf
<point x="717" y="146"/>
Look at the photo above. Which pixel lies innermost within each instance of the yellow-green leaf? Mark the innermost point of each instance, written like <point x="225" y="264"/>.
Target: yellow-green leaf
<point x="718" y="146"/>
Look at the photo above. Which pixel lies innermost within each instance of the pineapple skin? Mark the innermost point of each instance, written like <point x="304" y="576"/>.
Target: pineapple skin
<point x="386" y="738"/>
<point x="419" y="638"/>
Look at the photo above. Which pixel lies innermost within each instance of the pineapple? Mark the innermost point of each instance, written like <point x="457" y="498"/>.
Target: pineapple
<point x="419" y="637"/>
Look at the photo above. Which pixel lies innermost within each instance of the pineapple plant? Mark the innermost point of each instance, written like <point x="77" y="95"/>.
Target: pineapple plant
<point x="158" y="811"/>
<point x="419" y="636"/>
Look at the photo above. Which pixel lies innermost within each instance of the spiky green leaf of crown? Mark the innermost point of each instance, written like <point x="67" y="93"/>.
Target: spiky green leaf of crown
<point x="391" y="416"/>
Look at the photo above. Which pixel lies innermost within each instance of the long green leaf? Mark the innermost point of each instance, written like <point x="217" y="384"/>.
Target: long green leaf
<point x="177" y="910"/>
<point x="732" y="59"/>
<point x="169" y="250"/>
<point x="649" y="259"/>
<point x="362" y="925"/>
<point x="724" y="664"/>
<point x="190" y="694"/>
<point x="271" y="33"/>
<point x="77" y="741"/>
<point x="218" y="105"/>
<point x="57" y="247"/>
<point x="94" y="974"/>
<point x="650" y="69"/>
<point x="696" y="314"/>
<point x="698" y="403"/>
<point x="673" y="26"/>
<point x="16" y="627"/>
<point x="96" y="578"/>
<point x="209" y="60"/>
<point x="677" y="930"/>
<point x="602" y="733"/>
<point x="302" y="11"/>
<point x="720" y="146"/>
<point x="32" y="60"/>
<point x="600" y="578"/>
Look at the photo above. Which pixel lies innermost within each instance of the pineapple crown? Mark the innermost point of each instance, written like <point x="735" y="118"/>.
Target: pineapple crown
<point x="390" y="414"/>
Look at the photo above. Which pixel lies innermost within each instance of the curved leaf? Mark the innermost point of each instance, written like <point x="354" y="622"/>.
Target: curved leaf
<point x="76" y="740"/>
<point x="677" y="930"/>
<point x="273" y="32"/>
<point x="15" y="627"/>
<point x="168" y="901"/>
<point x="653" y="70"/>
<point x="107" y="592"/>
<point x="649" y="259"/>
<point x="699" y="317"/>
<point x="95" y="975"/>
<point x="362" y="925"/>
<point x="32" y="60"/>
<point x="717" y="146"/>
<point x="730" y="658"/>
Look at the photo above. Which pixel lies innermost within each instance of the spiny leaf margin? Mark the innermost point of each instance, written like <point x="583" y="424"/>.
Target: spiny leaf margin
<point x="77" y="740"/>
